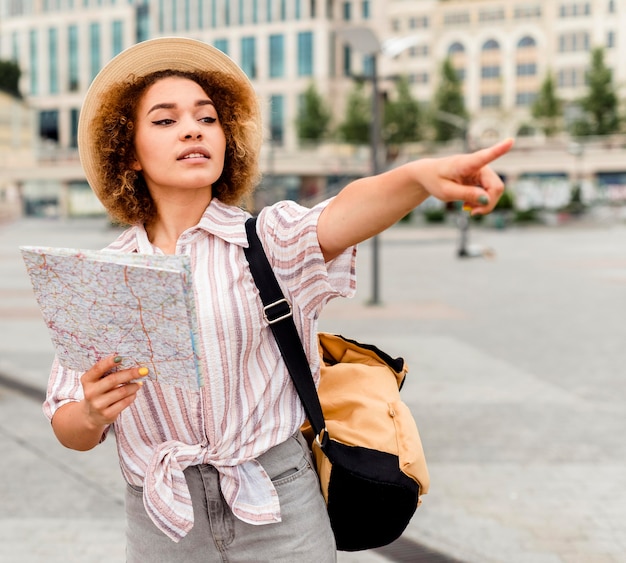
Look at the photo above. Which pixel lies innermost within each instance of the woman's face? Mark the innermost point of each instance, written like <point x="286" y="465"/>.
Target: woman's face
<point x="179" y="141"/>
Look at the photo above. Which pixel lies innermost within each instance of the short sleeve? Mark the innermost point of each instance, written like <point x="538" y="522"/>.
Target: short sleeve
<point x="288" y="232"/>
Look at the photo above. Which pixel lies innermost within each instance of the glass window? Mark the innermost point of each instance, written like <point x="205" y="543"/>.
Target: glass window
<point x="187" y="16"/>
<point x="73" y="53"/>
<point x="277" y="56"/>
<point x="526" y="41"/>
<point x="525" y="98"/>
<point x="305" y="53"/>
<point x="347" y="60"/>
<point x="491" y="45"/>
<point x="74" y="113"/>
<point x="34" y="62"/>
<point x="94" y="49"/>
<point x="368" y="65"/>
<point x="456" y="48"/>
<point x="490" y="71"/>
<point x="49" y="125"/>
<point x="490" y="100"/>
<point x="143" y="23"/>
<point x="248" y="56"/>
<point x="347" y="11"/>
<point x="118" y="37"/>
<point x="366" y="10"/>
<point x="222" y="45"/>
<point x="527" y="69"/>
<point x="53" y="61"/>
<point x="277" y="119"/>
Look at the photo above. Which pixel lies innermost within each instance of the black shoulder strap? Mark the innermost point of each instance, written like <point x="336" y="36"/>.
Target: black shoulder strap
<point x="277" y="311"/>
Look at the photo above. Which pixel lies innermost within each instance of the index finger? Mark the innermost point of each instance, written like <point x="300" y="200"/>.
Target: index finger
<point x="102" y="367"/>
<point x="482" y="157"/>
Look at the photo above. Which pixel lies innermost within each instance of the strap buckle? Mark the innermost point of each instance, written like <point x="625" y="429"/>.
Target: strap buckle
<point x="273" y="317"/>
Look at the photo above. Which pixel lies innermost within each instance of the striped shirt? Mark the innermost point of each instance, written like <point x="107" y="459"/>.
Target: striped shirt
<point x="248" y="403"/>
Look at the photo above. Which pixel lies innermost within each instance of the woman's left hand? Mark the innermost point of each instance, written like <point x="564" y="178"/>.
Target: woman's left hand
<point x="467" y="178"/>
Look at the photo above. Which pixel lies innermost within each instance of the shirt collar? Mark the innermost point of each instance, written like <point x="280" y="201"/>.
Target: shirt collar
<point x="226" y="222"/>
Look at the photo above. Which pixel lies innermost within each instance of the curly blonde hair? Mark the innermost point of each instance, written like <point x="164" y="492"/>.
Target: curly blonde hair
<point x="126" y="196"/>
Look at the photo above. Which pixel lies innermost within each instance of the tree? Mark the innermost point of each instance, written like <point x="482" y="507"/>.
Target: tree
<point x="449" y="99"/>
<point x="548" y="108"/>
<point x="356" y="126"/>
<point x="10" y="77"/>
<point x="313" y="116"/>
<point x="402" y="116"/>
<point x="600" y="105"/>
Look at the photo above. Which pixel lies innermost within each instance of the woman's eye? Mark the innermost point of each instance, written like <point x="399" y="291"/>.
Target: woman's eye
<point x="163" y="122"/>
<point x="208" y="119"/>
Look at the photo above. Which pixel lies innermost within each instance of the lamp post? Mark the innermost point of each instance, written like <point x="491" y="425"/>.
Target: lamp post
<point x="464" y="220"/>
<point x="364" y="40"/>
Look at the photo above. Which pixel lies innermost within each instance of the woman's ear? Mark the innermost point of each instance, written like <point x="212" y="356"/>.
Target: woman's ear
<point x="135" y="165"/>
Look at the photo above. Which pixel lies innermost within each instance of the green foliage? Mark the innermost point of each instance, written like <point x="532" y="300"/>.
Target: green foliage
<point x="601" y="104"/>
<point x="448" y="99"/>
<point x="356" y="126"/>
<point x="506" y="201"/>
<point x="548" y="108"/>
<point x="402" y="116"/>
<point x="9" y="78"/>
<point x="313" y="117"/>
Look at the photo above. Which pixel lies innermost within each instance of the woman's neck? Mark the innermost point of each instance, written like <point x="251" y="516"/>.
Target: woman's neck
<point x="172" y="220"/>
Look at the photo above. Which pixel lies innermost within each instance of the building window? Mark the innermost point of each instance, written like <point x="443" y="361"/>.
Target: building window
<point x="34" y="62"/>
<point x="491" y="15"/>
<point x="419" y="22"/>
<point x="94" y="49"/>
<point x="143" y="23"/>
<point x="490" y="45"/>
<point x="366" y="10"/>
<point x="526" y="12"/>
<point x="305" y="53"/>
<point x="298" y="9"/>
<point x="347" y="11"/>
<point x="527" y="69"/>
<point x="49" y="125"/>
<point x="222" y="45"/>
<point x="525" y="98"/>
<point x="118" y="37"/>
<point x="490" y="100"/>
<point x="573" y="42"/>
<point x="53" y="61"/>
<point x="347" y="60"/>
<point x="456" y="18"/>
<point x="456" y="48"/>
<point x="277" y="119"/>
<point x="73" y="52"/>
<point x="526" y="42"/>
<point x="248" y="56"/>
<point x="610" y="40"/>
<point x="283" y="10"/>
<point x="74" y="113"/>
<point x="277" y="56"/>
<point x="490" y="71"/>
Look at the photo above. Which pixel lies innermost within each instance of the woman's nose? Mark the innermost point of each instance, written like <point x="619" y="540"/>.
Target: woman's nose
<point x="191" y="129"/>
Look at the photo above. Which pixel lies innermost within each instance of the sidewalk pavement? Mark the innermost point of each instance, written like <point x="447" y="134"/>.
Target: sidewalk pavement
<point x="516" y="381"/>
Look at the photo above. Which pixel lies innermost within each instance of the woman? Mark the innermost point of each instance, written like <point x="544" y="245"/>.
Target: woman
<point x="169" y="138"/>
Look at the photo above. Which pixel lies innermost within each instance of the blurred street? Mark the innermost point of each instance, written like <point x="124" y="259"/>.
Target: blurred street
<point x="517" y="381"/>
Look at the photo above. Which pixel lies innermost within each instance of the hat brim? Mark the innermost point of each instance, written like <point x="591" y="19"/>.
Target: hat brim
<point x="175" y="53"/>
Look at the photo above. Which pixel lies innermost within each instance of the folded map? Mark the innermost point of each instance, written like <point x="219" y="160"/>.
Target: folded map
<point x="138" y="306"/>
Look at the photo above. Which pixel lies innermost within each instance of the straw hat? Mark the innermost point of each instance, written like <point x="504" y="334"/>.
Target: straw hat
<point x="176" y="53"/>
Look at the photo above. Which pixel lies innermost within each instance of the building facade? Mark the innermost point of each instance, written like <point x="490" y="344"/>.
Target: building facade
<point x="502" y="49"/>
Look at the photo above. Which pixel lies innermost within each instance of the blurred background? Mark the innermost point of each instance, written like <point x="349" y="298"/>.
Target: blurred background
<point x="512" y="324"/>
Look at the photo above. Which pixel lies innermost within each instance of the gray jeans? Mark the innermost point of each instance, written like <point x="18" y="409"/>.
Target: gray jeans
<point x="304" y="535"/>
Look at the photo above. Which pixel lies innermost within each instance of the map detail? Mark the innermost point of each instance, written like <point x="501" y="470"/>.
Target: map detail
<point x="98" y="303"/>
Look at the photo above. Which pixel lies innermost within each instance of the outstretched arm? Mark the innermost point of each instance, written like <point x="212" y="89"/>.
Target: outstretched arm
<point x="370" y="205"/>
